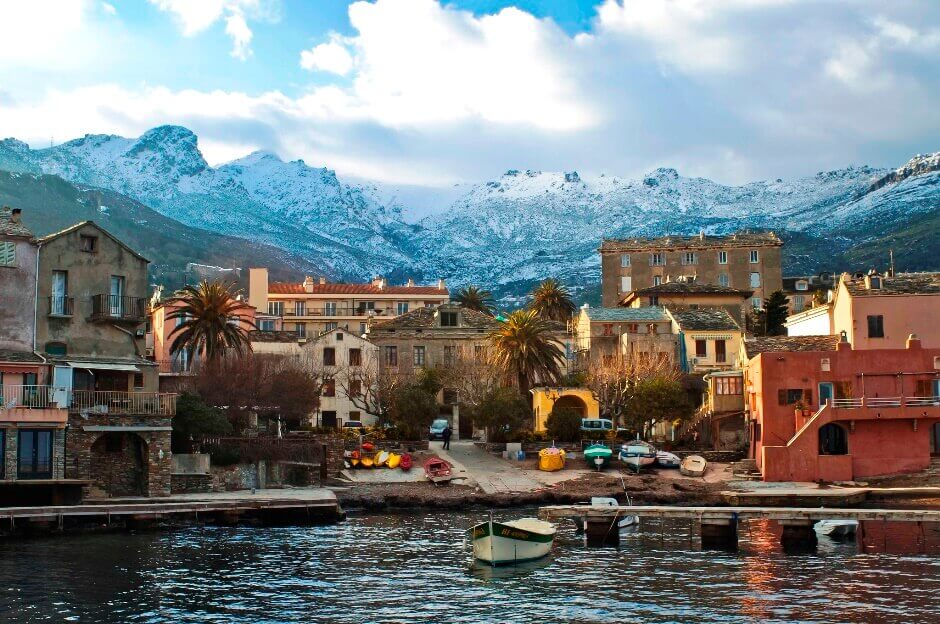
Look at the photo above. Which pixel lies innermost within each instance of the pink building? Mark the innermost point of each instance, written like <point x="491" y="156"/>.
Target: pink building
<point x="820" y="410"/>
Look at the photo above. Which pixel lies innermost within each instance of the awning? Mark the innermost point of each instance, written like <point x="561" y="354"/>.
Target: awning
<point x="17" y="369"/>
<point x="96" y="366"/>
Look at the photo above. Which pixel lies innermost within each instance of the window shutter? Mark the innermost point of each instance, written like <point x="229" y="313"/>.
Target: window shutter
<point x="808" y="396"/>
<point x="781" y="397"/>
<point x="7" y="253"/>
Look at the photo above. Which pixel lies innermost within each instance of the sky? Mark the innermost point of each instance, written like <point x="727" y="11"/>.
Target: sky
<point x="430" y="93"/>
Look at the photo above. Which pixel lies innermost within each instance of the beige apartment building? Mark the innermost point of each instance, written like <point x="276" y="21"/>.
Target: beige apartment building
<point x="315" y="306"/>
<point x="741" y="261"/>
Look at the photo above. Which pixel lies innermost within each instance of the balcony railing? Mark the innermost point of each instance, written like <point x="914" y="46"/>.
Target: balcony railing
<point x="34" y="397"/>
<point x="933" y="401"/>
<point x="118" y="308"/>
<point x="119" y="403"/>
<point x="180" y="367"/>
<point x="61" y="306"/>
<point x="346" y="311"/>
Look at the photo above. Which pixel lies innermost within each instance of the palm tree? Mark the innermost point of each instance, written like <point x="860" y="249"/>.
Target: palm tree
<point x="552" y="300"/>
<point x="524" y="349"/>
<point x="206" y="311"/>
<point x="475" y="299"/>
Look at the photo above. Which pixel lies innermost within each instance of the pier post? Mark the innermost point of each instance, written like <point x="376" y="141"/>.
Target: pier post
<point x="798" y="535"/>
<point x="719" y="532"/>
<point x="602" y="531"/>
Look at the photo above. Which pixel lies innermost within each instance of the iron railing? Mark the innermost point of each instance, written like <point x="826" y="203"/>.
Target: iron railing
<point x="118" y="308"/>
<point x="61" y="306"/>
<point x="36" y="397"/>
<point x="123" y="403"/>
<point x="885" y="402"/>
<point x="340" y="311"/>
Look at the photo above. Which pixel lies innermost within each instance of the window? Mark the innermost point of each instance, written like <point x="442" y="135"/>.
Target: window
<point x="728" y="385"/>
<point x="301" y="330"/>
<point x="88" y="244"/>
<point x="798" y="303"/>
<point x="756" y="303"/>
<point x="654" y="300"/>
<point x="117" y="295"/>
<point x="300" y="308"/>
<point x="8" y="253"/>
<point x="355" y="357"/>
<point x="328" y="418"/>
<point x="789" y="396"/>
<point x="689" y="257"/>
<point x="339" y="336"/>
<point x="402" y="307"/>
<point x="418" y="355"/>
<point x="329" y="356"/>
<point x="755" y="256"/>
<point x="391" y="355"/>
<point x="329" y="388"/>
<point x="825" y="365"/>
<point x="354" y="416"/>
<point x="657" y="280"/>
<point x="355" y="389"/>
<point x="832" y="440"/>
<point x="657" y="259"/>
<point x="720" y="353"/>
<point x="276" y="308"/>
<point x="876" y="326"/>
<point x="633" y="328"/>
<point x="722" y="257"/>
<point x="448" y="319"/>
<point x="138" y="381"/>
<point x="266" y="325"/>
<point x="362" y="329"/>
<point x="723" y="280"/>
<point x="652" y="329"/>
<point x="624" y="260"/>
<point x="56" y="348"/>
<point x="626" y="284"/>
<point x="450" y="354"/>
<point x="874" y="283"/>
<point x="329" y="308"/>
<point x="330" y="327"/>
<point x="34" y="454"/>
<point x="608" y="329"/>
<point x="366" y="307"/>
<point x="701" y="348"/>
<point x="755" y="279"/>
<point x="801" y="285"/>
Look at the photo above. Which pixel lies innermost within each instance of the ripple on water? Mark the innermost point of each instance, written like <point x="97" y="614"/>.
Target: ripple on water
<point x="415" y="568"/>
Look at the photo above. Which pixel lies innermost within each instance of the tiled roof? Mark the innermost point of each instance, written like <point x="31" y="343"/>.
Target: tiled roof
<point x="19" y="357"/>
<point x="739" y="239"/>
<point x="284" y="288"/>
<point x="9" y="227"/>
<point x="900" y="284"/>
<point x="646" y="313"/>
<point x="681" y="287"/>
<point x="423" y="318"/>
<point x="772" y="344"/>
<point x="258" y="335"/>
<point x="705" y="319"/>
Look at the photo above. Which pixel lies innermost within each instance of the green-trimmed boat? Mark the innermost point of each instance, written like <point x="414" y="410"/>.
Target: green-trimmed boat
<point x="516" y="541"/>
<point x="598" y="456"/>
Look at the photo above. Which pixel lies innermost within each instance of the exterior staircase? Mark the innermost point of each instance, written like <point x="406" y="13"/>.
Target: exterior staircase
<point x="934" y="469"/>
<point x="746" y="470"/>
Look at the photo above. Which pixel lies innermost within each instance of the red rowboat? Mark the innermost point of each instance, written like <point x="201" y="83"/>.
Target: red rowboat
<point x="406" y="462"/>
<point x="437" y="470"/>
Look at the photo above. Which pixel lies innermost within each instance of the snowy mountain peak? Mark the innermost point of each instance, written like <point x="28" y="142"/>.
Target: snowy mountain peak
<point x="175" y="145"/>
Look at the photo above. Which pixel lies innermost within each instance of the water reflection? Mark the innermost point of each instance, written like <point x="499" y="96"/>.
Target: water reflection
<point x="418" y="568"/>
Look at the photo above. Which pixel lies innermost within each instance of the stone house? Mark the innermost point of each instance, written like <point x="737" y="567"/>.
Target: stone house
<point x="708" y="339"/>
<point x="741" y="261"/>
<point x="689" y="293"/>
<point x="348" y="361"/>
<point x="605" y="335"/>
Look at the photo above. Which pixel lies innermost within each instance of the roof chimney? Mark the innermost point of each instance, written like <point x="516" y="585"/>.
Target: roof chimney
<point x="913" y="342"/>
<point x="701" y="235"/>
<point x="308" y="284"/>
<point x="441" y="284"/>
<point x="15" y="215"/>
<point x="410" y="283"/>
<point x="322" y="281"/>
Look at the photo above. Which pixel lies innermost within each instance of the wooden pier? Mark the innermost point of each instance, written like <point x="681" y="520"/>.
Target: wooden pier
<point x="719" y="525"/>
<point x="294" y="507"/>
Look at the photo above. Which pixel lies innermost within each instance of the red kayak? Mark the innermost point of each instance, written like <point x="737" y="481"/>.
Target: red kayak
<point x="437" y="470"/>
<point x="406" y="462"/>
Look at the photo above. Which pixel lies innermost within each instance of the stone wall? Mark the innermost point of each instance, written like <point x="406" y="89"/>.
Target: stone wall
<point x="191" y="483"/>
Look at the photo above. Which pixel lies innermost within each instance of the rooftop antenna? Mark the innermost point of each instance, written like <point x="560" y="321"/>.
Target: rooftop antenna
<point x="891" y="269"/>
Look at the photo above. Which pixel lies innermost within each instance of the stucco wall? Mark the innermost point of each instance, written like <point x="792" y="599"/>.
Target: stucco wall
<point x="903" y="315"/>
<point x="17" y="287"/>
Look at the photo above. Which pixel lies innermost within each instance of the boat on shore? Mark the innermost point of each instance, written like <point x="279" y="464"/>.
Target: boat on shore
<point x="394" y="459"/>
<point x="693" y="466"/>
<point x="406" y="462"/>
<point x="380" y="458"/>
<point x="516" y="541"/>
<point x="551" y="459"/>
<point x="598" y="456"/>
<point x="366" y="462"/>
<point x="665" y="459"/>
<point x="637" y="454"/>
<point x="438" y="471"/>
<point x="837" y="529"/>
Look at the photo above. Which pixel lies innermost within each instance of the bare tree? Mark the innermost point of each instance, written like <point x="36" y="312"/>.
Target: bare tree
<point x="371" y="389"/>
<point x="473" y="376"/>
<point x="613" y="380"/>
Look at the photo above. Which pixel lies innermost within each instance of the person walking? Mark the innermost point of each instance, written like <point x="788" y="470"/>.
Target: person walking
<point x="446" y="436"/>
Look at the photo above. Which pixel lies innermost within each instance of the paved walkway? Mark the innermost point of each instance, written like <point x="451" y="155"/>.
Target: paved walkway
<point x="493" y="474"/>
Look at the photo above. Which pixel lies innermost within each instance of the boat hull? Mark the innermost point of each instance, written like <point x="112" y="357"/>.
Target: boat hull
<point x="508" y="545"/>
<point x="693" y="466"/>
<point x="667" y="460"/>
<point x="837" y="529"/>
<point x="597" y="457"/>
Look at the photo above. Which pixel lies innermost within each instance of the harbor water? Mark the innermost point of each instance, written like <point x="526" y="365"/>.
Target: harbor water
<point x="417" y="568"/>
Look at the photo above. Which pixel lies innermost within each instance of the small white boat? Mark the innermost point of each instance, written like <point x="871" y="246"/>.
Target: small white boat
<point x="837" y="529"/>
<point x="603" y="501"/>
<point x="693" y="466"/>
<point x="516" y="541"/>
<point x="666" y="459"/>
<point x="637" y="454"/>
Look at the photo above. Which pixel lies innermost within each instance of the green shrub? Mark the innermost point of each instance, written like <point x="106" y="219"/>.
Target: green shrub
<point x="223" y="455"/>
<point x="564" y="425"/>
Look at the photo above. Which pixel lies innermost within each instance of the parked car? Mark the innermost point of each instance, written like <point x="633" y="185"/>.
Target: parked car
<point x="437" y="429"/>
<point x="596" y="425"/>
<point x="354" y="424"/>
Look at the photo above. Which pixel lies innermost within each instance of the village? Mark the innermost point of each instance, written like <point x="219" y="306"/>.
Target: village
<point x="117" y="392"/>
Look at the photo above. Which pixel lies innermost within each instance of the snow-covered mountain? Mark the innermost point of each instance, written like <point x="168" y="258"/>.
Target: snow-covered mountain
<point x="504" y="233"/>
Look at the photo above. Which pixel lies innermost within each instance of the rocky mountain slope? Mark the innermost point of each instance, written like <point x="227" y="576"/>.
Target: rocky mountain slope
<point x="507" y="232"/>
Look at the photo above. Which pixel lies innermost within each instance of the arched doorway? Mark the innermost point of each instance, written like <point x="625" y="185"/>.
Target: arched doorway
<point x="573" y="402"/>
<point x="119" y="464"/>
<point x="833" y="440"/>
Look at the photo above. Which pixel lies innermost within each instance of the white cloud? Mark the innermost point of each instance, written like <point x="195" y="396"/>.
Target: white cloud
<point x="108" y="8"/>
<point x="40" y="33"/>
<point x="195" y="16"/>
<point x="330" y="57"/>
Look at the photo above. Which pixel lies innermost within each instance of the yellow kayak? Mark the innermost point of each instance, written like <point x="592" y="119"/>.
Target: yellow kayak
<point x="366" y="462"/>
<point x="354" y="461"/>
<point x="393" y="460"/>
<point x="380" y="458"/>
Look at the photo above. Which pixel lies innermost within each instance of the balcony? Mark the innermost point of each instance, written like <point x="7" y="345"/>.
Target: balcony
<point x="61" y="306"/>
<point x="176" y="367"/>
<point x="32" y="404"/>
<point x="345" y="311"/>
<point x="886" y="408"/>
<point x="886" y="402"/>
<point x="118" y="308"/>
<point x="123" y="403"/>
